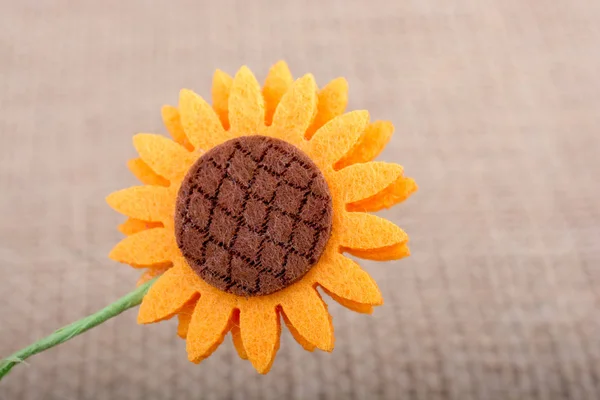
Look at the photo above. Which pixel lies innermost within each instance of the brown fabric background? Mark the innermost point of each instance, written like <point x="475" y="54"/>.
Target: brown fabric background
<point x="497" y="109"/>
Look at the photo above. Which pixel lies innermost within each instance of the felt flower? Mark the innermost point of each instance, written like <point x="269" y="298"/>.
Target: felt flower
<point x="251" y="208"/>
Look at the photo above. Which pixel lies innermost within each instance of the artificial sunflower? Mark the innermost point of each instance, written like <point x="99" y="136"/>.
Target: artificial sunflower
<point x="249" y="209"/>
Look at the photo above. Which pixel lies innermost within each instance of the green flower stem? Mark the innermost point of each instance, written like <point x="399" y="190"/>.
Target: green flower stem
<point x="76" y="328"/>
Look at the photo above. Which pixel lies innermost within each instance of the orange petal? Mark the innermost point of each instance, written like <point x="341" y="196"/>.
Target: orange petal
<point x="346" y="279"/>
<point x="309" y="316"/>
<point x="154" y="246"/>
<point x="276" y="85"/>
<point x="147" y="203"/>
<point x="261" y="330"/>
<point x="362" y="181"/>
<point x="185" y="316"/>
<point x="306" y="345"/>
<point x="144" y="173"/>
<point x="236" y="336"/>
<point x="172" y="121"/>
<point x="333" y="99"/>
<point x="396" y="192"/>
<point x="163" y="155"/>
<point x="132" y="225"/>
<point x="220" y="96"/>
<point x="368" y="232"/>
<point x="296" y="111"/>
<point x="153" y="272"/>
<point x="371" y="143"/>
<point x="393" y="252"/>
<point x="246" y="104"/>
<point x="210" y="322"/>
<point x="201" y="123"/>
<point x="338" y="136"/>
<point x="351" y="305"/>
<point x="168" y="295"/>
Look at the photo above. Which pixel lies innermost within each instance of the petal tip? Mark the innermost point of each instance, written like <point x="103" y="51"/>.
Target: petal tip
<point x="139" y="138"/>
<point x="361" y="115"/>
<point x="413" y="187"/>
<point x="110" y="199"/>
<point x="378" y="301"/>
<point x="193" y="357"/>
<point x="115" y="253"/>
<point x="407" y="251"/>
<point x="187" y="96"/>
<point x="310" y="83"/>
<point x="281" y="64"/>
<point x="220" y="74"/>
<point x="341" y="83"/>
<point x="144" y="317"/>
<point x="167" y="110"/>
<point x="263" y="368"/>
<point x="244" y="70"/>
<point x="186" y="92"/>
<point x="388" y="125"/>
<point x="280" y="70"/>
<point x="329" y="344"/>
<point x="309" y="78"/>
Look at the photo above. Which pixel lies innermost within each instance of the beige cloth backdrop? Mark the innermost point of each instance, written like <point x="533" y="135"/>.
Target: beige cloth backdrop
<point x="497" y="113"/>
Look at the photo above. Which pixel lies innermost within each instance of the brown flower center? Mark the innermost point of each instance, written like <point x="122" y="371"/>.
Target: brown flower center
<point x="253" y="215"/>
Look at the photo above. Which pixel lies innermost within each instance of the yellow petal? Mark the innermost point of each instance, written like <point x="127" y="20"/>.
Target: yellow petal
<point x="261" y="330"/>
<point x="276" y="85"/>
<point x="362" y="181"/>
<point x="367" y="232"/>
<point x="220" y="96"/>
<point x="309" y="316"/>
<point x="246" y="104"/>
<point x="296" y="111"/>
<point x="201" y="123"/>
<point x="147" y="203"/>
<point x="393" y="252"/>
<point x="184" y="317"/>
<point x="210" y="322"/>
<point x="172" y="121"/>
<point x="333" y="99"/>
<point x="152" y="272"/>
<point x="236" y="336"/>
<point x="395" y="193"/>
<point x="346" y="279"/>
<point x="164" y="156"/>
<point x="132" y="225"/>
<point x="371" y="143"/>
<point x="167" y="295"/>
<point x="154" y="246"/>
<point x="144" y="173"/>
<point x="338" y="136"/>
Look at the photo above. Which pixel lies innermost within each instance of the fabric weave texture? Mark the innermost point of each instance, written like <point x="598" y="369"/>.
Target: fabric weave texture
<point x="495" y="105"/>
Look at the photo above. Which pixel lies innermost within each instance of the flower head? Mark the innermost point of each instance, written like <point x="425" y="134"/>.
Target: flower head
<point x="250" y="209"/>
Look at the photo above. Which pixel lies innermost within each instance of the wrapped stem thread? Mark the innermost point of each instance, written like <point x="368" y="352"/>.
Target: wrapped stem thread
<point x="76" y="328"/>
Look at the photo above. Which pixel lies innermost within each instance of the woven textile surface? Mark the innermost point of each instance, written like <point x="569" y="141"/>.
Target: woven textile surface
<point x="497" y="112"/>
